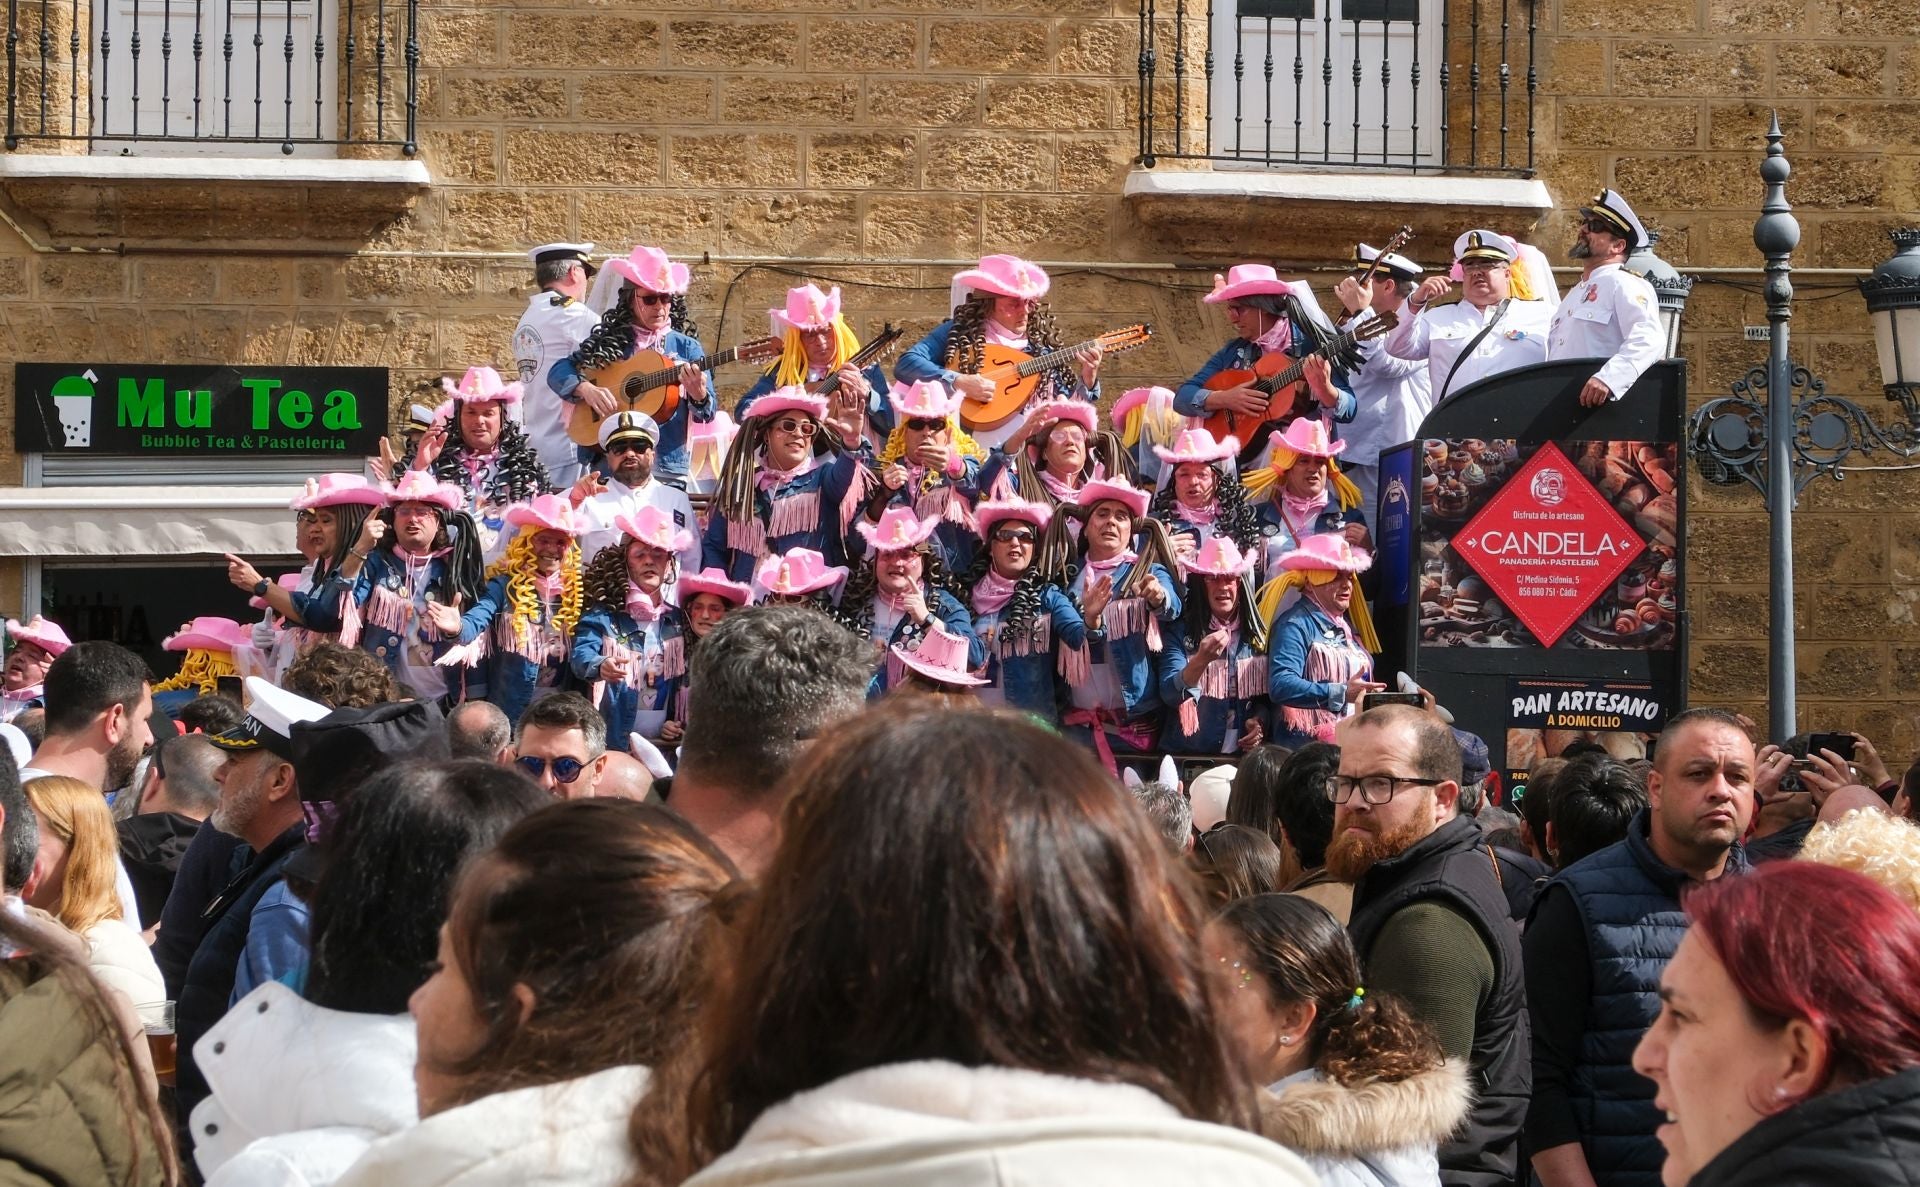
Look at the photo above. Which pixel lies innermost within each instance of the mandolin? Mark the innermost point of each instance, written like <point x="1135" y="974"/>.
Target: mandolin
<point x="649" y="383"/>
<point x="1283" y="378"/>
<point x="1016" y="374"/>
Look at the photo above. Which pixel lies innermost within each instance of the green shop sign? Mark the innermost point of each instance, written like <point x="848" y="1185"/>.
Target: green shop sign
<point x="139" y="409"/>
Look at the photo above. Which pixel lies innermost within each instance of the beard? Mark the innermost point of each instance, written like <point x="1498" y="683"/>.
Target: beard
<point x="120" y="763"/>
<point x="1581" y="250"/>
<point x="1350" y="855"/>
<point x="237" y="808"/>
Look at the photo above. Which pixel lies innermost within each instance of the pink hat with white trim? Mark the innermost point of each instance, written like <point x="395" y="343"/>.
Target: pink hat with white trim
<point x="898" y="530"/>
<point x="1197" y="445"/>
<point x="925" y="398"/>
<point x="1248" y="280"/>
<point x="334" y="490"/>
<point x="941" y="656"/>
<point x="714" y="581"/>
<point x="1114" y="490"/>
<point x="546" y="513"/>
<point x="209" y="634"/>
<point x="650" y="269"/>
<point x="650" y="525"/>
<point x="1046" y="412"/>
<point x="1221" y="557"/>
<point x="1307" y="437"/>
<point x="286" y="581"/>
<point x="1005" y="276"/>
<point x="482" y="385"/>
<point x="991" y="512"/>
<point x="418" y="486"/>
<point x="42" y="633"/>
<point x="792" y="398"/>
<point x="807" y="309"/>
<point x="1135" y="398"/>
<point x="1327" y="551"/>
<point x="798" y="571"/>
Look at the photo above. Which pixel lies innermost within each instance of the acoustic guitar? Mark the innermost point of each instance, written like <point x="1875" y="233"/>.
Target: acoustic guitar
<point x="1282" y="378"/>
<point x="1016" y="374"/>
<point x="865" y="357"/>
<point x="648" y="382"/>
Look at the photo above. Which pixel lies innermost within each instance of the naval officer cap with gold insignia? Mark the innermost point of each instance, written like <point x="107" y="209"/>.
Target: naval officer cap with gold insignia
<point x="271" y="714"/>
<point x="1611" y="209"/>
<point x="1484" y="245"/>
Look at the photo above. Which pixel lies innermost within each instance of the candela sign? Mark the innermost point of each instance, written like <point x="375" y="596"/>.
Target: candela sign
<point x="1548" y="544"/>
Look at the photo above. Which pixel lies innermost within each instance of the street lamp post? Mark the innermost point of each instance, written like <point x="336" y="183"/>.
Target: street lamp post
<point x="1780" y="428"/>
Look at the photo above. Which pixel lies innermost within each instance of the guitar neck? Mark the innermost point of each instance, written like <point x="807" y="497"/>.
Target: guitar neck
<point x="1292" y="374"/>
<point x="653" y="379"/>
<point x="866" y="355"/>
<point x="1054" y="358"/>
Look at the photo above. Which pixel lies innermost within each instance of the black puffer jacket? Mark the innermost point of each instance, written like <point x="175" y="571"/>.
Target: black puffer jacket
<point x="1864" y="1136"/>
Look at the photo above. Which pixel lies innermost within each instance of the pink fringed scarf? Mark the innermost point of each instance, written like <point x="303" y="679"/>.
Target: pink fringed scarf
<point x="993" y="593"/>
<point x="1198" y="516"/>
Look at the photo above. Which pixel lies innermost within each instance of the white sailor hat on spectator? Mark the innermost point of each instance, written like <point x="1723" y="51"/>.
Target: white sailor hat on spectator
<point x="271" y="714"/>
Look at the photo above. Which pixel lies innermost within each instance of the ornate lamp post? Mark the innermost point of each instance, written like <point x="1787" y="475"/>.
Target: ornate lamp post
<point x="1780" y="429"/>
<point x="1671" y="288"/>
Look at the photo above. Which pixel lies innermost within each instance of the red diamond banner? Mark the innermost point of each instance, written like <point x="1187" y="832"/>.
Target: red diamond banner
<point x="1548" y="544"/>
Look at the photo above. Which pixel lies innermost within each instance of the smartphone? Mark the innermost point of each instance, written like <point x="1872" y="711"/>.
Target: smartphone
<point x="1374" y="700"/>
<point x="228" y="686"/>
<point x="1840" y="744"/>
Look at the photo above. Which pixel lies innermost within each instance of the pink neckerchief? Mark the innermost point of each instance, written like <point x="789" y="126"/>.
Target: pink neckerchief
<point x="25" y="694"/>
<point x="1339" y="620"/>
<point x="770" y="479"/>
<point x="993" y="592"/>
<point x="1059" y="488"/>
<point x="1301" y="513"/>
<point x="650" y="339"/>
<point x="640" y="608"/>
<point x="894" y="602"/>
<point x="1217" y="623"/>
<point x="480" y="466"/>
<point x="549" y="585"/>
<point x="1278" y="337"/>
<point x="1201" y="516"/>
<point x="1000" y="335"/>
<point x="1102" y="568"/>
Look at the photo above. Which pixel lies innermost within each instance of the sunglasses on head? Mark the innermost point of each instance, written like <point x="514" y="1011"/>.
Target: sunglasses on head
<point x="1014" y="535"/>
<point x="801" y="428"/>
<point x="565" y="770"/>
<point x="926" y="424"/>
<point x="655" y="298"/>
<point x="630" y="445"/>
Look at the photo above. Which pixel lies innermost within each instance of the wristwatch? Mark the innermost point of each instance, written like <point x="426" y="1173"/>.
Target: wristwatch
<point x="261" y="587"/>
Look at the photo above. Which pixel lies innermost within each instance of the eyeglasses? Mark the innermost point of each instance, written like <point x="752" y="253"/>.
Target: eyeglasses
<point x="1014" y="536"/>
<point x="565" y="769"/>
<point x="1373" y="789"/>
<point x="799" y="428"/>
<point x="651" y="299"/>
<point x="926" y="424"/>
<point x="1481" y="265"/>
<point x="630" y="445"/>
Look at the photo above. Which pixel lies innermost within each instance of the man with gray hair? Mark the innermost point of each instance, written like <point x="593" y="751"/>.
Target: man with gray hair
<point x="1170" y="812"/>
<point x="479" y="729"/>
<point x="762" y="684"/>
<point x="180" y="791"/>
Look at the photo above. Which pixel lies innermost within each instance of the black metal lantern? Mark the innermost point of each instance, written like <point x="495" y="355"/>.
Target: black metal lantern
<point x="1893" y="305"/>
<point x="1669" y="287"/>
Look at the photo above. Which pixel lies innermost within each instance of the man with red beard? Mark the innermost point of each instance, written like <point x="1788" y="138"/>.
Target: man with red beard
<point x="1430" y="921"/>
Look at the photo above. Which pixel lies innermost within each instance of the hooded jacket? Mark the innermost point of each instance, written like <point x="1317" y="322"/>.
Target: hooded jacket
<point x="1378" y="1134"/>
<point x="1867" y="1135"/>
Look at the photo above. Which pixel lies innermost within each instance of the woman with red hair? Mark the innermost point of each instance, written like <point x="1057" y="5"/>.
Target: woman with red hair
<point x="1787" y="1050"/>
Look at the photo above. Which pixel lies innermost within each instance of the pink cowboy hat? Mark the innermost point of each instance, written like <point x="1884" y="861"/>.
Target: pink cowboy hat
<point x="1117" y="490"/>
<point x="334" y="490"/>
<point x="418" y="486"/>
<point x="793" y="398"/>
<point x="941" y="656"/>
<point x="1247" y="280"/>
<point x="546" y="513"/>
<point x="482" y="385"/>
<point x="899" y="529"/>
<point x="40" y="632"/>
<point x="209" y="634"/>
<point x="991" y="512"/>
<point x="807" y="309"/>
<point x="798" y="571"/>
<point x="1198" y="445"/>
<point x="1046" y="412"/>
<point x="1221" y="557"/>
<point x="1135" y="398"/>
<point x="714" y="581"/>
<point x="650" y="525"/>
<point x="650" y="269"/>
<point x="1005" y="276"/>
<point x="1327" y="551"/>
<point x="286" y="581"/>
<point x="1307" y="437"/>
<point x="928" y="397"/>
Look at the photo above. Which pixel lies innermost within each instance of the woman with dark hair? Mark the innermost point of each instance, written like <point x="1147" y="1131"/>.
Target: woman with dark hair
<point x="1787" y="1050"/>
<point x="1269" y="315"/>
<point x="631" y="641"/>
<point x="331" y="513"/>
<point x="980" y="972"/>
<point x="648" y="312"/>
<point x="1358" y="1086"/>
<point x="541" y="1020"/>
<point x="303" y="1081"/>
<point x="484" y="453"/>
<point x="1214" y="666"/>
<point x="1026" y="625"/>
<point x="1284" y="794"/>
<point x="1200" y="497"/>
<point x="786" y="484"/>
<point x="899" y="591"/>
<point x="1233" y="861"/>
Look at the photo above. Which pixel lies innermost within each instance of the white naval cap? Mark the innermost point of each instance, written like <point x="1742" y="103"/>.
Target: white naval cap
<point x="1485" y="245"/>
<point x="628" y="424"/>
<point x="1399" y="265"/>
<point x="577" y="252"/>
<point x="271" y="714"/>
<point x="1612" y="208"/>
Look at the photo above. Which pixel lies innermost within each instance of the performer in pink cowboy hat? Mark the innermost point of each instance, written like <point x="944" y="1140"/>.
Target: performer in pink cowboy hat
<point x="901" y="589"/>
<point x="33" y="646"/>
<point x="1301" y="492"/>
<point x="1320" y="652"/>
<point x="648" y="311"/>
<point x="1027" y="625"/>
<point x="929" y="463"/>
<point x="998" y="303"/>
<point x="816" y="342"/>
<point x="799" y="576"/>
<point x="632" y="641"/>
<point x="935" y="665"/>
<point x="332" y="514"/>
<point x="786" y="484"/>
<point x="1269" y="314"/>
<point x="523" y="623"/>
<point x="1060" y="449"/>
<point x="483" y="451"/>
<point x="1214" y="667"/>
<point x="1200" y="494"/>
<point x="212" y="648"/>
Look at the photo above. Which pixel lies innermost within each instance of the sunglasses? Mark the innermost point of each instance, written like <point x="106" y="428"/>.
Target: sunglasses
<point x="640" y="445"/>
<point x="1014" y="536"/>
<point x="651" y="299"/>
<point x="799" y="428"/>
<point x="926" y="424"/>
<point x="1601" y="225"/>
<point x="307" y="517"/>
<point x="565" y="770"/>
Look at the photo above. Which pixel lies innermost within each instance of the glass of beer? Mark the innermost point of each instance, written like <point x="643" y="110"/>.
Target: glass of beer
<point x="160" y="1045"/>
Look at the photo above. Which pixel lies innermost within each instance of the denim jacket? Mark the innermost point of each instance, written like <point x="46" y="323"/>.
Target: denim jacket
<point x="1027" y="672"/>
<point x="1129" y="630"/>
<point x="514" y="679"/>
<point x="825" y="488"/>
<point x="1307" y="652"/>
<point x="1232" y="692"/>
<point x="674" y="457"/>
<point x="392" y="619"/>
<point x="657" y="671"/>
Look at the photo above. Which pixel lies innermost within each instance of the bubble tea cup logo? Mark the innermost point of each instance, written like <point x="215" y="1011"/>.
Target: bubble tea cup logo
<point x="73" y="404"/>
<point x="1549" y="487"/>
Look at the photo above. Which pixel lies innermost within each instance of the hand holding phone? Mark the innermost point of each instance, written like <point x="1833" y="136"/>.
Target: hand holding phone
<point x="1375" y="700"/>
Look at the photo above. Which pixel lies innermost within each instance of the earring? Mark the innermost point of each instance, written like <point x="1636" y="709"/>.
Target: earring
<point x="1286" y="1040"/>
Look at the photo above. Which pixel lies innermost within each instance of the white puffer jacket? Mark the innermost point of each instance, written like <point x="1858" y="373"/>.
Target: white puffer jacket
<point x="1373" y="1135"/>
<point x="937" y="1124"/>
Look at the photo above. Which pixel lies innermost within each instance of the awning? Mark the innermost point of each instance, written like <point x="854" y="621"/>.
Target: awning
<point x="110" y="521"/>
